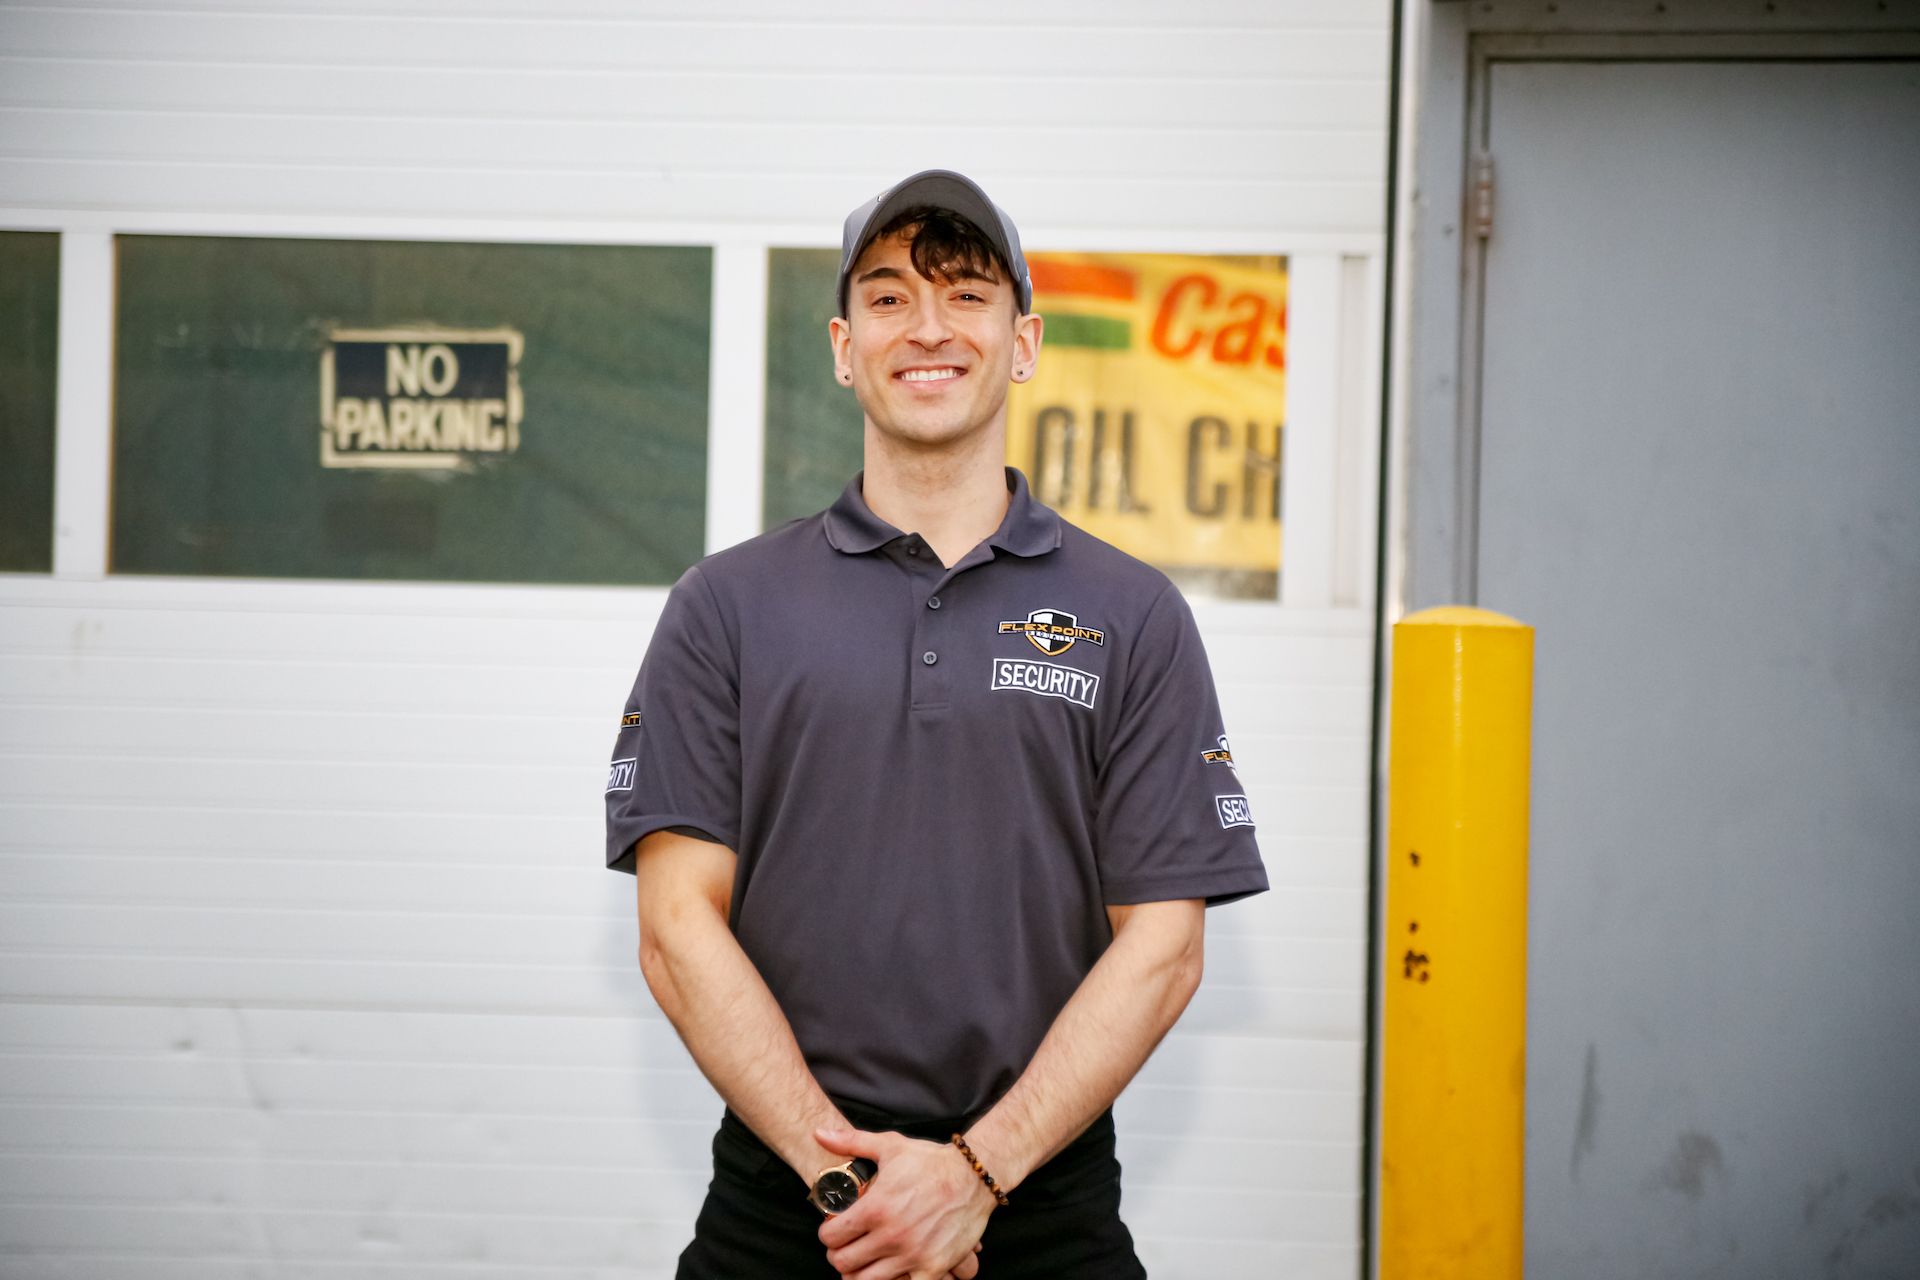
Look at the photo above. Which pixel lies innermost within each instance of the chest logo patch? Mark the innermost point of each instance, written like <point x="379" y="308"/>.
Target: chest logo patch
<point x="1027" y="676"/>
<point x="1053" y="631"/>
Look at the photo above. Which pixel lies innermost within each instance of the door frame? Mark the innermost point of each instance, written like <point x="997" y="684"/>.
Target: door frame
<point x="1430" y="412"/>
<point x="1442" y="412"/>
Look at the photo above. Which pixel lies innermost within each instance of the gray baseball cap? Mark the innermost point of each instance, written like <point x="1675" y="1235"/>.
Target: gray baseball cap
<point x="939" y="189"/>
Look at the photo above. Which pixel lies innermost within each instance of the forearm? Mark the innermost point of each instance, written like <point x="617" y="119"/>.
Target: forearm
<point x="728" y="1019"/>
<point x="1098" y="1042"/>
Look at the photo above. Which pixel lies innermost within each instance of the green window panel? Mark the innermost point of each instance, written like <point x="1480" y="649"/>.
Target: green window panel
<point x="813" y="438"/>
<point x="427" y="411"/>
<point x="29" y="332"/>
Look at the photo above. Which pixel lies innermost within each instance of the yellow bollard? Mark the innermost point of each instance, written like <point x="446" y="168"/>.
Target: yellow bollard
<point x="1453" y="1068"/>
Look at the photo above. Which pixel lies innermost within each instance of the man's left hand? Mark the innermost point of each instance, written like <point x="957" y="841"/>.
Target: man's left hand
<point x="922" y="1216"/>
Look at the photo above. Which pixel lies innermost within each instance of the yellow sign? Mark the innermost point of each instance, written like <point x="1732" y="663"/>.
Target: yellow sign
<point x="1156" y="418"/>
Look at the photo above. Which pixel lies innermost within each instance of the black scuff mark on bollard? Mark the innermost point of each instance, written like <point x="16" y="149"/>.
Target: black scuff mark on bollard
<point x="1414" y="964"/>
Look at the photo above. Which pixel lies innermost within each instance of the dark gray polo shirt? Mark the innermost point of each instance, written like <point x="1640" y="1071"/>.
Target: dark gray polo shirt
<point x="935" y="781"/>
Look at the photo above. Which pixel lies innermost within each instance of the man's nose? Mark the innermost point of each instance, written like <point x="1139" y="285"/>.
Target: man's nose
<point x="931" y="327"/>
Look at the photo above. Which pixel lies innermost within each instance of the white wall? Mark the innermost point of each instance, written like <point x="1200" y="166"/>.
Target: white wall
<point x="309" y="964"/>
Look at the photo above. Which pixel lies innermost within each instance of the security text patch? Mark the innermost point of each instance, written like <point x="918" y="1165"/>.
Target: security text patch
<point x="1047" y="679"/>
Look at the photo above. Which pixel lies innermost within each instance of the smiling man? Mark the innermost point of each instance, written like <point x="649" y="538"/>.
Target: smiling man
<point x="925" y="796"/>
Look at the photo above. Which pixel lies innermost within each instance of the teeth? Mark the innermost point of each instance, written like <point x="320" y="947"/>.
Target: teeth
<point x="929" y="375"/>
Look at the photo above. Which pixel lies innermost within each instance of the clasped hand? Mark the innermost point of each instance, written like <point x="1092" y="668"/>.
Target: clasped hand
<point x="921" y="1217"/>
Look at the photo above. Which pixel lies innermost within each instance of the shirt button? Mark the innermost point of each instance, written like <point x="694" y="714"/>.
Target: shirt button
<point x="929" y="657"/>
<point x="913" y="548"/>
<point x="933" y="602"/>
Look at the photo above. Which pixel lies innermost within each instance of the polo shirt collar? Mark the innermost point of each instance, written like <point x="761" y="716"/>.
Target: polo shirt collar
<point x="1030" y="527"/>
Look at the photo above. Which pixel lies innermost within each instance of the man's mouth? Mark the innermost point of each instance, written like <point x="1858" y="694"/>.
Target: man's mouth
<point x="928" y="375"/>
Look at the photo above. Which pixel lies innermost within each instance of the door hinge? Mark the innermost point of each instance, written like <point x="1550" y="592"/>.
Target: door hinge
<point x="1480" y="200"/>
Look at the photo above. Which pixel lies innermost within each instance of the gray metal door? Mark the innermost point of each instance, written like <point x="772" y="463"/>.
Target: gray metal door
<point x="1699" y="477"/>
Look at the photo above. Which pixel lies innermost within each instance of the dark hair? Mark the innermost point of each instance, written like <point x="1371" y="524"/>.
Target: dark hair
<point x="946" y="246"/>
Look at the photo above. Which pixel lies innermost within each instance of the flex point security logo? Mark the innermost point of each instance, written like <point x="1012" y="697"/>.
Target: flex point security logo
<point x="1234" y="811"/>
<point x="1053" y="631"/>
<point x="620" y="776"/>
<point x="1224" y="755"/>
<point x="1027" y="676"/>
<point x="419" y="398"/>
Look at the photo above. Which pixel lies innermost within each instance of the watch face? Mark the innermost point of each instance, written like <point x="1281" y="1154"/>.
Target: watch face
<point x="837" y="1190"/>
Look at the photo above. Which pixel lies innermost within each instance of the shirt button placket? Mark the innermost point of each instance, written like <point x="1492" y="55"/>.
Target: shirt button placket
<point x="930" y="676"/>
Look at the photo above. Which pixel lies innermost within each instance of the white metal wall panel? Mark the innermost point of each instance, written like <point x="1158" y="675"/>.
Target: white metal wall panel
<point x="1252" y="119"/>
<point x="308" y="956"/>
<point x="308" y="963"/>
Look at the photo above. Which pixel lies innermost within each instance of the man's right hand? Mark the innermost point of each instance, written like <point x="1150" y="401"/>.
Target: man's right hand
<point x="922" y="1217"/>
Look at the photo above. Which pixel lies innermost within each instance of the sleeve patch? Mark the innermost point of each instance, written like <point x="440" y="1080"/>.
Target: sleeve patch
<point x="620" y="775"/>
<point x="1234" y="811"/>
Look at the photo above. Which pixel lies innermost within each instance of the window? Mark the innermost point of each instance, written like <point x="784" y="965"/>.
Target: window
<point x="813" y="424"/>
<point x="1156" y="419"/>
<point x="365" y="409"/>
<point x="29" y="330"/>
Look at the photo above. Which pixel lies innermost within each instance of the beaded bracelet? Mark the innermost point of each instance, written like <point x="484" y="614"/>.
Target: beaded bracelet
<point x="999" y="1196"/>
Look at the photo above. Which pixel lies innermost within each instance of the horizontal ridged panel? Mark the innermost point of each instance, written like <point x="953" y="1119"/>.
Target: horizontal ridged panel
<point x="214" y="1243"/>
<point x="1305" y="1012"/>
<point x="1217" y="15"/>
<point x="643" y="148"/>
<point x="1276" y="656"/>
<point x="1208" y="1211"/>
<point x="1268" y="207"/>
<point x="347" y="883"/>
<point x="374" y="935"/>
<point x="614" y="1040"/>
<point x="404" y="41"/>
<point x="1156" y="1119"/>
<point x="997" y="101"/>
<point x="1318" y="758"/>
<point x="550" y="845"/>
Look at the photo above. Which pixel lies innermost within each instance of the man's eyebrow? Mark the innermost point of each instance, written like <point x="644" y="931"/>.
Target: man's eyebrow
<point x="880" y="273"/>
<point x="969" y="273"/>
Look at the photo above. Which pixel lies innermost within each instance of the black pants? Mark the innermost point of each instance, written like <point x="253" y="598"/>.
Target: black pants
<point x="1063" y="1222"/>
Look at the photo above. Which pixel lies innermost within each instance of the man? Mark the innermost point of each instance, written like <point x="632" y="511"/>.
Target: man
<point x="924" y="796"/>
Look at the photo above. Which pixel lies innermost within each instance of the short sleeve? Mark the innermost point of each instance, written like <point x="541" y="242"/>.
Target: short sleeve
<point x="1174" y="820"/>
<point x="676" y="758"/>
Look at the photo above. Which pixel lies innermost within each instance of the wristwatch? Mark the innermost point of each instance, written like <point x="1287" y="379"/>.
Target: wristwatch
<point x="836" y="1189"/>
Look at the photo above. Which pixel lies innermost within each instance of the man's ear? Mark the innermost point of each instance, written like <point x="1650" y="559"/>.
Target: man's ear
<point x="1026" y="345"/>
<point x="839" y="337"/>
